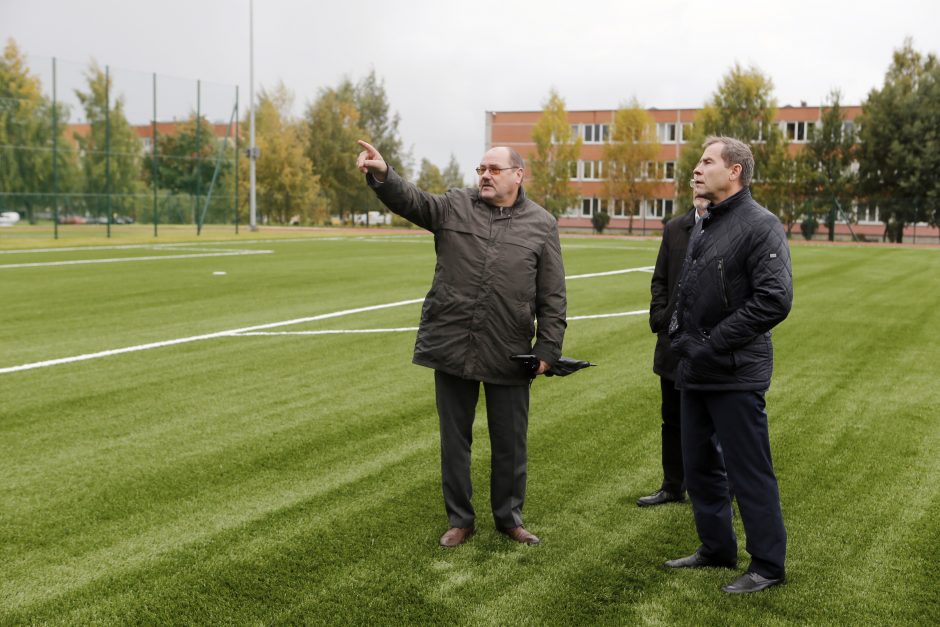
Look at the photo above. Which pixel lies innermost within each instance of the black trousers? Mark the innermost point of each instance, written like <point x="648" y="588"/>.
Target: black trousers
<point x="739" y="421"/>
<point x="507" y="411"/>
<point x="673" y="471"/>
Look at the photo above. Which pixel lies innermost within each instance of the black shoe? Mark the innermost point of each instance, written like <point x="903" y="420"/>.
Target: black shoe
<point x="659" y="497"/>
<point x="751" y="582"/>
<point x="697" y="560"/>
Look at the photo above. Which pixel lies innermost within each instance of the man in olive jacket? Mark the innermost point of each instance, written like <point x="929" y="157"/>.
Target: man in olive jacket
<point x="736" y="285"/>
<point x="499" y="268"/>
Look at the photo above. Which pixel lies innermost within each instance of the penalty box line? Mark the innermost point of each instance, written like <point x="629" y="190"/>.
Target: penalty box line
<point x="619" y="314"/>
<point x="261" y="327"/>
<point x="199" y="338"/>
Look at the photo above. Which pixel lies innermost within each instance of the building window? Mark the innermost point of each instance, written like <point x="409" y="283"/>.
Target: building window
<point x="596" y="133"/>
<point x="669" y="170"/>
<point x="798" y="132"/>
<point x="685" y="132"/>
<point x="659" y="208"/>
<point x="848" y="128"/>
<point x="589" y="206"/>
<point x="621" y="209"/>
<point x="592" y="170"/>
<point x="573" y="170"/>
<point x="666" y="132"/>
<point x="866" y="213"/>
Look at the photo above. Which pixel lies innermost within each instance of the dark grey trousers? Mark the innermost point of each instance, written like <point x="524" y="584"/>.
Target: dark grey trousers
<point x="739" y="419"/>
<point x="507" y="411"/>
<point x="673" y="471"/>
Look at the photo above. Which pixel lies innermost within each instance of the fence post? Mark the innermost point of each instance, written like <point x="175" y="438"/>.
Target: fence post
<point x="153" y="153"/>
<point x="236" y="159"/>
<point x="107" y="140"/>
<point x="55" y="155"/>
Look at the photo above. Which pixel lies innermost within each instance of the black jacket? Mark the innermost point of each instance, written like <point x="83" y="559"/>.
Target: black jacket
<point x="498" y="270"/>
<point x="736" y="285"/>
<point x="663" y="288"/>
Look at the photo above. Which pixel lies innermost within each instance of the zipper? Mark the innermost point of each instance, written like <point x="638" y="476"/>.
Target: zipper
<point x="725" y="299"/>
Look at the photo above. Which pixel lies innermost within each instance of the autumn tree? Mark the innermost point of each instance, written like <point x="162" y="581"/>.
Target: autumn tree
<point x="899" y="147"/>
<point x="111" y="150"/>
<point x="557" y="147"/>
<point x="27" y="124"/>
<point x="287" y="188"/>
<point x="430" y="178"/>
<point x="332" y="128"/>
<point x="631" y="147"/>
<point x="452" y="176"/>
<point x="828" y="158"/>
<point x="743" y="107"/>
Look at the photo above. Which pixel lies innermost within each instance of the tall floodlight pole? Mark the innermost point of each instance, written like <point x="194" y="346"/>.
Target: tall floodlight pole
<point x="252" y="149"/>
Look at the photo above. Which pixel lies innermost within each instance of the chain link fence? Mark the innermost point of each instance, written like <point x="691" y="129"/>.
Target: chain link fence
<point x="84" y="144"/>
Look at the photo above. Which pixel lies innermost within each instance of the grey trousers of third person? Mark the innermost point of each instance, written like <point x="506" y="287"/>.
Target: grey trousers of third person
<point x="507" y="411"/>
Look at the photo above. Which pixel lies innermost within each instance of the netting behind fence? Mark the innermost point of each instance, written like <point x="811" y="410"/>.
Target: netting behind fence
<point x="84" y="144"/>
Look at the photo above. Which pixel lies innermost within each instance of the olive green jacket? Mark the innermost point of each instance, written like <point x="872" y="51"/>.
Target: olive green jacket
<point x="498" y="270"/>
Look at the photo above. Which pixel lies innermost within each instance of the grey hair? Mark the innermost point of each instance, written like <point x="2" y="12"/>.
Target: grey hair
<point x="734" y="151"/>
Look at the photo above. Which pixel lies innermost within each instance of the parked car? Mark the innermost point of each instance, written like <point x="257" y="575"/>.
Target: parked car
<point x="9" y="218"/>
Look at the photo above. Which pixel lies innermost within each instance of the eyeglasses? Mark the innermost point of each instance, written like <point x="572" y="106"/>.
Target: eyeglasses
<point x="492" y="169"/>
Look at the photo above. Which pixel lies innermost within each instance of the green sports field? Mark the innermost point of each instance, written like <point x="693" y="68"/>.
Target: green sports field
<point x="231" y="432"/>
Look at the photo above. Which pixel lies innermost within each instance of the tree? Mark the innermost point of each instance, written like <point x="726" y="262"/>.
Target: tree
<point x="794" y="199"/>
<point x="452" y="176"/>
<point x="381" y="129"/>
<point x="627" y="154"/>
<point x="334" y="121"/>
<point x="332" y="128"/>
<point x="828" y="157"/>
<point x="26" y="134"/>
<point x="600" y="220"/>
<point x="430" y="178"/>
<point x="379" y="124"/>
<point x="899" y="147"/>
<point x="743" y="107"/>
<point x="556" y="148"/>
<point x="185" y="159"/>
<point x="111" y="151"/>
<point x="287" y="188"/>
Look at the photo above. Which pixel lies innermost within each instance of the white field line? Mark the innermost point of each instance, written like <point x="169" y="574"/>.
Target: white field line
<point x="197" y="338"/>
<point x="325" y="332"/>
<point x="76" y="262"/>
<point x="71" y="249"/>
<point x="184" y="245"/>
<point x="638" y="312"/>
<point x="620" y="314"/>
<point x="271" y="325"/>
<point x="609" y="273"/>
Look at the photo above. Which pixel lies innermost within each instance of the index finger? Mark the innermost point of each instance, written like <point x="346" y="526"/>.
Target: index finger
<point x="366" y="145"/>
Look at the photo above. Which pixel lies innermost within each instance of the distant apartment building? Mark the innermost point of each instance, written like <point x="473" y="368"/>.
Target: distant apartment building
<point x="514" y="128"/>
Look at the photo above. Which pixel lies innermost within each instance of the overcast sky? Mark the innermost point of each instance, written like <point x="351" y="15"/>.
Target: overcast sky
<point x="445" y="63"/>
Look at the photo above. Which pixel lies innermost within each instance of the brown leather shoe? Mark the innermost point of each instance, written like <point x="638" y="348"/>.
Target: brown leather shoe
<point x="455" y="536"/>
<point x="521" y="535"/>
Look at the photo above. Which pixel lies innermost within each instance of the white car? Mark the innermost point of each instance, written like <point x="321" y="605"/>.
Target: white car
<point x="9" y="218"/>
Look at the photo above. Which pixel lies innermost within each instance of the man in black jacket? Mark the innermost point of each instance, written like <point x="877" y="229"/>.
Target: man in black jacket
<point x="662" y="288"/>
<point x="736" y="285"/>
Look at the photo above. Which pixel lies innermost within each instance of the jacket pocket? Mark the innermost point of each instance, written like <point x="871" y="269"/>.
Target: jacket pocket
<point x="526" y="320"/>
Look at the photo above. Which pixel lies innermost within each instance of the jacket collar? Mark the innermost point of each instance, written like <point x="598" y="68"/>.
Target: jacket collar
<point x="517" y="205"/>
<point x="730" y="202"/>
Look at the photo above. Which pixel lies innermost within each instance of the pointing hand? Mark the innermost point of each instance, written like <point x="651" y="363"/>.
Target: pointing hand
<point x="370" y="160"/>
